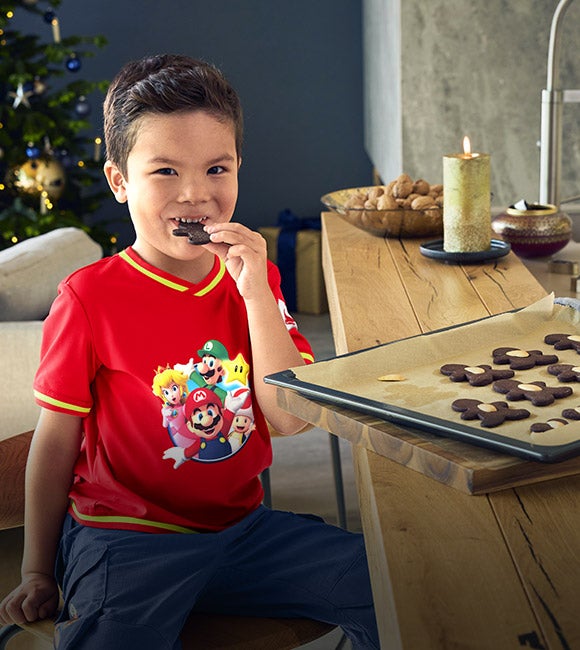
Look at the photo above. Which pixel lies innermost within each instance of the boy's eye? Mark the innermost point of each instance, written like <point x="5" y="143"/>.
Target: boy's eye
<point x="216" y="169"/>
<point x="166" y="171"/>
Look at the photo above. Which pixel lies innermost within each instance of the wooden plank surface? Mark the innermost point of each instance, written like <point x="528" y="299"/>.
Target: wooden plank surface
<point x="470" y="469"/>
<point x="13" y="455"/>
<point x="541" y="525"/>
<point x="453" y="580"/>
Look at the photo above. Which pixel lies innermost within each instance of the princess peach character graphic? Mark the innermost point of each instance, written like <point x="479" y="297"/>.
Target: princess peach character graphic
<point x="170" y="385"/>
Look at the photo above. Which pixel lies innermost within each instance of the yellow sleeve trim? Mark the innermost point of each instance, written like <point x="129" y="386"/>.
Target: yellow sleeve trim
<point x="307" y="357"/>
<point x="112" y="519"/>
<point x="64" y="405"/>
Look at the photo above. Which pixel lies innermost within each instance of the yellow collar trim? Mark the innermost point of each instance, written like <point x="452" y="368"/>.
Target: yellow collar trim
<point x="150" y="274"/>
<point x="169" y="283"/>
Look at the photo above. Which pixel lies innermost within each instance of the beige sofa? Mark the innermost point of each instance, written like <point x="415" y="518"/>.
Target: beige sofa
<point x="29" y="275"/>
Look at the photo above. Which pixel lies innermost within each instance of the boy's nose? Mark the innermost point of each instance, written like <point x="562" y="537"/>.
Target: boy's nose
<point x="190" y="192"/>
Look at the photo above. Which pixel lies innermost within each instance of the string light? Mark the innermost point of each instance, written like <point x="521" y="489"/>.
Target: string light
<point x="14" y="239"/>
<point x="9" y="14"/>
<point x="81" y="163"/>
<point x="55" y="30"/>
<point x="98" y="142"/>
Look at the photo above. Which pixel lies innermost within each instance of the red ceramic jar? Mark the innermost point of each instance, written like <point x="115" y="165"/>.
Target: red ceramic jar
<point x="539" y="231"/>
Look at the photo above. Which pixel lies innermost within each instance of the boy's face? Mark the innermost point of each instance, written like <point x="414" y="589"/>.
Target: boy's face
<point x="182" y="166"/>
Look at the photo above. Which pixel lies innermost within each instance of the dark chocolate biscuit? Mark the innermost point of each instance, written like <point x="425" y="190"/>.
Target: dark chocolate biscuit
<point x="475" y="375"/>
<point x="536" y="391"/>
<point x="193" y="231"/>
<point x="572" y="414"/>
<point x="490" y="415"/>
<point x="565" y="372"/>
<point x="563" y="341"/>
<point x="554" y="423"/>
<point x="522" y="359"/>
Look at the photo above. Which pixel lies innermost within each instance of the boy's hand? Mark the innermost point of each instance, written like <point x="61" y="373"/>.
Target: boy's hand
<point x="245" y="255"/>
<point x="36" y="597"/>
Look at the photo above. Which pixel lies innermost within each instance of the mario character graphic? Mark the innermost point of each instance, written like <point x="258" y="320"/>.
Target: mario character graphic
<point x="170" y="385"/>
<point x="209" y="424"/>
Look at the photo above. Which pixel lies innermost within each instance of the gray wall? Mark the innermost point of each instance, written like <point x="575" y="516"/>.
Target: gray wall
<point x="297" y="66"/>
<point x="472" y="68"/>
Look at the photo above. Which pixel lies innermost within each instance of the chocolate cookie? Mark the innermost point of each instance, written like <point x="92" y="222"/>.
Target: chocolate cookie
<point x="475" y="375"/>
<point x="572" y="414"/>
<point x="490" y="415"/>
<point x="522" y="359"/>
<point x="554" y="423"/>
<point x="563" y="341"/>
<point x="565" y="372"/>
<point x="536" y="392"/>
<point x="193" y="231"/>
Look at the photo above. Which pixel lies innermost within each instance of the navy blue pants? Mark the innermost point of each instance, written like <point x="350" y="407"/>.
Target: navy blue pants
<point x="124" y="589"/>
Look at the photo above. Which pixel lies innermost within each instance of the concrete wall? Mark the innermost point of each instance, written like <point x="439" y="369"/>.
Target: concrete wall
<point x="472" y="68"/>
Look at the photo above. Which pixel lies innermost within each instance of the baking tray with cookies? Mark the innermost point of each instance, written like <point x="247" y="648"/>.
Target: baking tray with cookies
<point x="509" y="382"/>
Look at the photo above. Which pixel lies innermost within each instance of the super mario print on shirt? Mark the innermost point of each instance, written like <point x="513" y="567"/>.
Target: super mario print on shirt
<point x="206" y="405"/>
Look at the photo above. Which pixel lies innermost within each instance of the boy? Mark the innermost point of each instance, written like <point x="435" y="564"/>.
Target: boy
<point x="143" y="521"/>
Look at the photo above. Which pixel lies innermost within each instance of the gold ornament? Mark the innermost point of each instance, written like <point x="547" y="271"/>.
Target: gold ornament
<point x="38" y="175"/>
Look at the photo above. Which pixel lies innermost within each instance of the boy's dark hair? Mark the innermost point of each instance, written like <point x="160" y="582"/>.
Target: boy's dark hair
<point x="166" y="83"/>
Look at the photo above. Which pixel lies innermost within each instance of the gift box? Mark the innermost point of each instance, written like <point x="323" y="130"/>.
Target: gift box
<point x="294" y="245"/>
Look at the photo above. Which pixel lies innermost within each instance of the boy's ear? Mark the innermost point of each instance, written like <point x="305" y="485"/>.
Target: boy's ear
<point x="116" y="181"/>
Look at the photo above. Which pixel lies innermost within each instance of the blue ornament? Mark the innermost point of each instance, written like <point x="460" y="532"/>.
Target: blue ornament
<point x="49" y="16"/>
<point x="32" y="151"/>
<point x="64" y="157"/>
<point x="73" y="63"/>
<point x="82" y="108"/>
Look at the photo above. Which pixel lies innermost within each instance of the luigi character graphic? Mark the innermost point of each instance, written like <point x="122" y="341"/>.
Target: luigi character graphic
<point x="210" y="371"/>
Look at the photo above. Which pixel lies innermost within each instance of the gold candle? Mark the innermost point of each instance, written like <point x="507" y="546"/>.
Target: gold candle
<point x="466" y="201"/>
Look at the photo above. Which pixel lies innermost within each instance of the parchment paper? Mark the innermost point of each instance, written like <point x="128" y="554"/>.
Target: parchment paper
<point x="427" y="394"/>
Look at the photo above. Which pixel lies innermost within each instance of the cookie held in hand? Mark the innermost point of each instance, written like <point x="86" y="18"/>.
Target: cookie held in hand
<point x="536" y="391"/>
<point x="193" y="231"/>
<point x="490" y="415"/>
<point x="475" y="375"/>
<point x="522" y="359"/>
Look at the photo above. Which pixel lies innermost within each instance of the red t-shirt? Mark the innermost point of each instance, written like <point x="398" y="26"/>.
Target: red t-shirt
<point x="160" y="370"/>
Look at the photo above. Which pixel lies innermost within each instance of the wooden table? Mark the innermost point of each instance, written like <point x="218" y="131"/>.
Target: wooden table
<point x="468" y="548"/>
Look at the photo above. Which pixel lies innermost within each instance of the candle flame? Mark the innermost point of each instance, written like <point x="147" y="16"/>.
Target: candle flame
<point x="466" y="145"/>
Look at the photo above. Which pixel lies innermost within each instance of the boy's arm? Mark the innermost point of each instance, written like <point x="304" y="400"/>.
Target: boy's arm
<point x="49" y="471"/>
<point x="273" y="350"/>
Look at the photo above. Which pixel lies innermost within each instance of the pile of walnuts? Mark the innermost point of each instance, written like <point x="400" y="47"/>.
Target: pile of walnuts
<point x="402" y="193"/>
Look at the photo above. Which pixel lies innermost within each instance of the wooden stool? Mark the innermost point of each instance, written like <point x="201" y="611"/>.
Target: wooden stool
<point x="214" y="632"/>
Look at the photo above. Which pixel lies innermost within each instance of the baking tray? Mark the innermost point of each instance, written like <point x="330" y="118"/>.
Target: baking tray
<point x="423" y="400"/>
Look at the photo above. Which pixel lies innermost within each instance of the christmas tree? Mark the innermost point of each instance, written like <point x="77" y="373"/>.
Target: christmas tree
<point x="50" y="168"/>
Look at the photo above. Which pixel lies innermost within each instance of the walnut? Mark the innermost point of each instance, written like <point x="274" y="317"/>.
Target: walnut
<point x="374" y="193"/>
<point x="403" y="186"/>
<point x="386" y="202"/>
<point x="422" y="203"/>
<point x="421" y="187"/>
